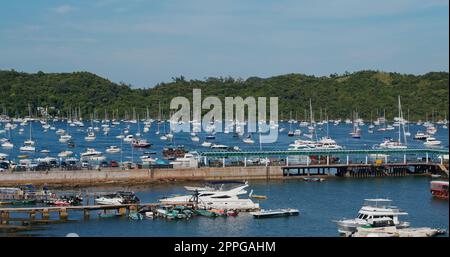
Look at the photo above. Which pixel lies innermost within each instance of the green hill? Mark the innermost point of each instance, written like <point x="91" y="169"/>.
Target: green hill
<point x="336" y="95"/>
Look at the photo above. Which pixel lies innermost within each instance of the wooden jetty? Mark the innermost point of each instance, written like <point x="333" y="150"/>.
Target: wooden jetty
<point x="63" y="211"/>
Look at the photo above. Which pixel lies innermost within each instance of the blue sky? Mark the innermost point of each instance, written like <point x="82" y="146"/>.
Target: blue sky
<point x="146" y="42"/>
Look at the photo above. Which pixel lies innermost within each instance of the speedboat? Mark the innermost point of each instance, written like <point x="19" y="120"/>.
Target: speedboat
<point x="117" y="198"/>
<point x="275" y="213"/>
<point x="372" y="209"/>
<point x="224" y="200"/>
<point x="92" y="154"/>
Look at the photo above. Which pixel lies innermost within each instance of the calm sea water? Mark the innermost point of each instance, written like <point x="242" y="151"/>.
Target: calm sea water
<point x="319" y="203"/>
<point x="49" y="140"/>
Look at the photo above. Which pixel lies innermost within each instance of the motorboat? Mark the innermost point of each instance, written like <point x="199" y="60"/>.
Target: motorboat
<point x="372" y="209"/>
<point x="431" y="141"/>
<point x="388" y="143"/>
<point x="90" y="137"/>
<point x="431" y="130"/>
<point x="206" y="144"/>
<point x="117" y="198"/>
<point x="421" y="136"/>
<point x="113" y="149"/>
<point x="439" y="189"/>
<point x="128" y="138"/>
<point x="92" y="154"/>
<point x="7" y="144"/>
<point x="65" y="154"/>
<point x="65" y="138"/>
<point x="140" y="143"/>
<point x="195" y="138"/>
<point x="275" y="213"/>
<point x="216" y="199"/>
<point x="27" y="148"/>
<point x="327" y="143"/>
<point x="248" y="140"/>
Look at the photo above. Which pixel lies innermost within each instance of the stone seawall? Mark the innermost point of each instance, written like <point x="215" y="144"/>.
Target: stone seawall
<point x="95" y="177"/>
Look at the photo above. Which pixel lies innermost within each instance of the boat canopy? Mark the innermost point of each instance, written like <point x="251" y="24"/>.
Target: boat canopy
<point x="226" y="182"/>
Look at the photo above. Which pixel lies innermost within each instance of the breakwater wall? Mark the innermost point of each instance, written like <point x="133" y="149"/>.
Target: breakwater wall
<point x="116" y="176"/>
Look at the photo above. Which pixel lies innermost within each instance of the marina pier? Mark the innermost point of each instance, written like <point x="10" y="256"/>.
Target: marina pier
<point x="225" y="165"/>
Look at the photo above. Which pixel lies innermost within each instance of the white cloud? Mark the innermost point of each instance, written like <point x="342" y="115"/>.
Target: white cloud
<point x="63" y="9"/>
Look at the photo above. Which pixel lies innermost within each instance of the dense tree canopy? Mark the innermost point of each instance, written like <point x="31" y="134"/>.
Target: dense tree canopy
<point x="335" y="96"/>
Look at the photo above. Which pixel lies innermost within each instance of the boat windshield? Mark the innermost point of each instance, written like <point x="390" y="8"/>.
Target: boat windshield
<point x="380" y="203"/>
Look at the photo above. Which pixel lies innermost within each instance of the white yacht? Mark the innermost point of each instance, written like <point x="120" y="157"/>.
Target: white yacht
<point x="195" y="138"/>
<point x="90" y="137"/>
<point x="206" y="144"/>
<point x="372" y="209"/>
<point x="388" y="143"/>
<point x="7" y="144"/>
<point x="421" y="136"/>
<point x="216" y="199"/>
<point x="431" y="141"/>
<point x="65" y="154"/>
<point x="65" y="138"/>
<point x="327" y="143"/>
<point x="128" y="138"/>
<point x="113" y="149"/>
<point x="248" y="140"/>
<point x="27" y="148"/>
<point x="92" y="154"/>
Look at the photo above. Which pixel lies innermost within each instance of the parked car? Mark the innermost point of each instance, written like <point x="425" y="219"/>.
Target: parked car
<point x="113" y="164"/>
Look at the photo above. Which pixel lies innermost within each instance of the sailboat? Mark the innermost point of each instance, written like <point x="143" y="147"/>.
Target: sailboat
<point x="91" y="135"/>
<point x="290" y="133"/>
<point x="407" y="133"/>
<point x="356" y="132"/>
<point x="390" y="143"/>
<point x="28" y="145"/>
<point x="7" y="143"/>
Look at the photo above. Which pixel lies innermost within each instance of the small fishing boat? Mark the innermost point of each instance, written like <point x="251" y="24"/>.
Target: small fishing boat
<point x="106" y="215"/>
<point x="260" y="197"/>
<point x="205" y="213"/>
<point x="275" y="213"/>
<point x="314" y="179"/>
<point x="136" y="216"/>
